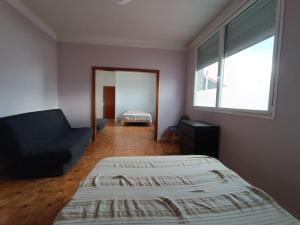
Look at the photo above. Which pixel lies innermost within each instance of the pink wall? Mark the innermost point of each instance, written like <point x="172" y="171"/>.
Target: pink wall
<point x="28" y="65"/>
<point x="266" y="152"/>
<point x="74" y="82"/>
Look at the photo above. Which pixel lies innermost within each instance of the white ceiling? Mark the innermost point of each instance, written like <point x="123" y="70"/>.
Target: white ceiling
<point x="169" y="24"/>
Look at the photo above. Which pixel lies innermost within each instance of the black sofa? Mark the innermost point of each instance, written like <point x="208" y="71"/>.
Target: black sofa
<point x="40" y="144"/>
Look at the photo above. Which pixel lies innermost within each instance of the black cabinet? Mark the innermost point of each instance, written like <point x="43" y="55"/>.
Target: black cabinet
<point x="199" y="138"/>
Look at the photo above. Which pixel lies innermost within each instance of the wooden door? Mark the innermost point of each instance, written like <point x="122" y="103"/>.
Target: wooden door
<point x="109" y="102"/>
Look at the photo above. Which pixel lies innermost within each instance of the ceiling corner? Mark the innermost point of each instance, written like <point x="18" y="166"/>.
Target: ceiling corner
<point x="20" y="7"/>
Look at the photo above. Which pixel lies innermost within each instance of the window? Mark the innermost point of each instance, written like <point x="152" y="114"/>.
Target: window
<point x="207" y="73"/>
<point x="236" y="73"/>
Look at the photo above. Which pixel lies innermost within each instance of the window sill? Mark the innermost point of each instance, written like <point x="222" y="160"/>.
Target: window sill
<point x="238" y="112"/>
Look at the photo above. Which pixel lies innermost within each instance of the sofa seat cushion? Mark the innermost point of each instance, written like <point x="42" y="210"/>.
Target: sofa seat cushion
<point x="52" y="155"/>
<point x="75" y="141"/>
<point x="57" y="151"/>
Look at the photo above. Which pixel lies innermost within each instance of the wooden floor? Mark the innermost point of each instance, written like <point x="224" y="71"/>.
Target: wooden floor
<point x="37" y="201"/>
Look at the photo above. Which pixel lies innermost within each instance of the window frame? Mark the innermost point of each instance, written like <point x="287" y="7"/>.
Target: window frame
<point x="270" y="113"/>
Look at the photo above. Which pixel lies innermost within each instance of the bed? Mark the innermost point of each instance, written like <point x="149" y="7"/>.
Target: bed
<point x="169" y="190"/>
<point x="136" y="116"/>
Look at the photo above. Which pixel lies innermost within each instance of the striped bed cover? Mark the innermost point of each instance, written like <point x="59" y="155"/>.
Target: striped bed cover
<point x="169" y="190"/>
<point x="137" y="116"/>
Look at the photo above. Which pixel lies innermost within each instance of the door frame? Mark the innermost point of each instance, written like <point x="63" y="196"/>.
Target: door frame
<point x="93" y="102"/>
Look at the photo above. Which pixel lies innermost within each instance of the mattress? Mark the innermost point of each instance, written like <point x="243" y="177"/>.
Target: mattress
<point x="169" y="190"/>
<point x="136" y="117"/>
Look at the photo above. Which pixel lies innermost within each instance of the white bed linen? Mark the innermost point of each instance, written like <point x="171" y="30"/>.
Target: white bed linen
<point x="136" y="116"/>
<point x="169" y="190"/>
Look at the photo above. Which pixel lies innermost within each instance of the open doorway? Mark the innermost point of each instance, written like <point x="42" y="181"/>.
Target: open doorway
<point x="125" y="96"/>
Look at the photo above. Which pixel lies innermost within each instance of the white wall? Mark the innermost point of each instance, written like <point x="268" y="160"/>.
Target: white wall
<point x="135" y="91"/>
<point x="28" y="65"/>
<point x="103" y="78"/>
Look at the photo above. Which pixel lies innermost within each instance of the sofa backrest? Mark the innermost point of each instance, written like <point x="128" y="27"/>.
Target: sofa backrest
<point x="23" y="129"/>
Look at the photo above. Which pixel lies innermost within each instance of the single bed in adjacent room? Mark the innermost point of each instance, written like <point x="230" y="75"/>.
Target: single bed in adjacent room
<point x="136" y="116"/>
<point x="169" y="190"/>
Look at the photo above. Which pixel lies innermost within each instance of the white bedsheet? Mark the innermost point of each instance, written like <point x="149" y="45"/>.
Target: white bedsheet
<point x="136" y="116"/>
